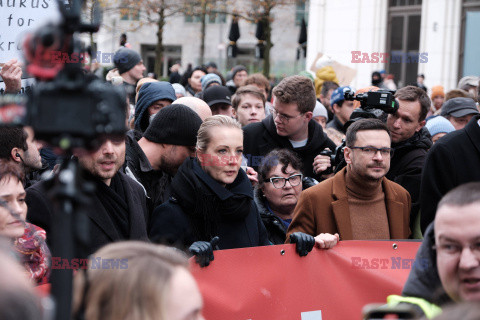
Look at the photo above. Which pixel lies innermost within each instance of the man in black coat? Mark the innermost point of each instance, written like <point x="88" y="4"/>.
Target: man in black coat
<point x="410" y="142"/>
<point x="117" y="210"/>
<point x="290" y="126"/>
<point x="153" y="158"/>
<point x="452" y="161"/>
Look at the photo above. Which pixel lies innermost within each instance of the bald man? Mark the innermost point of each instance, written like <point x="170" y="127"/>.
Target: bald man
<point x="197" y="105"/>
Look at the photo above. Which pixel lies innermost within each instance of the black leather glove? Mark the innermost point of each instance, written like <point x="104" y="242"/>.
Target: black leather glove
<point x="203" y="251"/>
<point x="305" y="242"/>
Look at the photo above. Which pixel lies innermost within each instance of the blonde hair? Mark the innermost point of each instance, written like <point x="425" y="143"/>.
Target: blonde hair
<point x="203" y="136"/>
<point x="133" y="286"/>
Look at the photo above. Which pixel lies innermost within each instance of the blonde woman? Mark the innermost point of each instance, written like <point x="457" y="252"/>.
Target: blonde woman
<point x="211" y="196"/>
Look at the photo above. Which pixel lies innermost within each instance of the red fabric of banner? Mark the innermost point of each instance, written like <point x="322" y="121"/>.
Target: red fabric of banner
<point x="264" y="284"/>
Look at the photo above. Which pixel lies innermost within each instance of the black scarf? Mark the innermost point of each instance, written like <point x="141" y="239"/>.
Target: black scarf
<point x="206" y="202"/>
<point x="113" y="199"/>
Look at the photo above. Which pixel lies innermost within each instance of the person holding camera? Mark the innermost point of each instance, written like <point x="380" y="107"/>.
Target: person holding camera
<point x="290" y="126"/>
<point x="410" y="142"/>
<point x="358" y="203"/>
<point x="342" y="109"/>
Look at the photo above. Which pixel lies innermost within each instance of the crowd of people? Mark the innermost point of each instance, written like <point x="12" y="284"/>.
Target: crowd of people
<point x="210" y="164"/>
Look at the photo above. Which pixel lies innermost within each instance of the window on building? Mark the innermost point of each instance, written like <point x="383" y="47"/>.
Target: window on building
<point x="216" y="15"/>
<point x="470" y="46"/>
<point x="301" y="12"/>
<point x="128" y="13"/>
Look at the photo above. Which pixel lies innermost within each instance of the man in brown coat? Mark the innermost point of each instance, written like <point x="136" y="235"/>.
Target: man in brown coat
<point x="358" y="203"/>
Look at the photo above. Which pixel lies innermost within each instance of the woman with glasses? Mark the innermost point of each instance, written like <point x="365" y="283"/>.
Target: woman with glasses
<point x="278" y="190"/>
<point x="211" y="196"/>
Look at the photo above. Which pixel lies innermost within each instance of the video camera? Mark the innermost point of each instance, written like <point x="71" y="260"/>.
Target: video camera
<point x="67" y="107"/>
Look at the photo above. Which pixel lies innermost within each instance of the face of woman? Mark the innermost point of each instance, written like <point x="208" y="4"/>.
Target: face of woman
<point x="283" y="199"/>
<point x="12" y="220"/>
<point x="194" y="80"/>
<point x="223" y="156"/>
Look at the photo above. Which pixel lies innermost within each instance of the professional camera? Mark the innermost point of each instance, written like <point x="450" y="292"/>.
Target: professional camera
<point x="67" y="107"/>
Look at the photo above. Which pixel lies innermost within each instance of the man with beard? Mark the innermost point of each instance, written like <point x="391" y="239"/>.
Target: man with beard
<point x="358" y="203"/>
<point x="116" y="211"/>
<point x="153" y="159"/>
<point x="19" y="145"/>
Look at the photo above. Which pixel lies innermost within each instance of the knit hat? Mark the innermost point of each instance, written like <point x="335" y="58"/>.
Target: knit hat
<point x="148" y="94"/>
<point x="175" y="124"/>
<point x="125" y="59"/>
<point x="208" y="79"/>
<point x="468" y="81"/>
<point x="439" y="125"/>
<point x="338" y="94"/>
<point x="217" y="94"/>
<point x="237" y="69"/>
<point x="320" y="110"/>
<point x="179" y="89"/>
<point x="459" y="107"/>
<point x="437" y="91"/>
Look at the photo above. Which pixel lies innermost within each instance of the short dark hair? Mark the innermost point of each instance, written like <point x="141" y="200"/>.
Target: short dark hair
<point x="362" y="125"/>
<point x="462" y="195"/>
<point x="275" y="157"/>
<point x="412" y="93"/>
<point x="250" y="89"/>
<point x="9" y="168"/>
<point x="12" y="137"/>
<point x="327" y="86"/>
<point x="297" y="89"/>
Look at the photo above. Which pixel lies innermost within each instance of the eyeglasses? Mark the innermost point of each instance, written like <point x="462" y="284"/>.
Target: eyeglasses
<point x="372" y="151"/>
<point x="282" y="117"/>
<point x="455" y="250"/>
<point x="279" y="182"/>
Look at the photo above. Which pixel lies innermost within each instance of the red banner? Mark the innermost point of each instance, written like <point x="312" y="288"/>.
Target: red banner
<point x="274" y="283"/>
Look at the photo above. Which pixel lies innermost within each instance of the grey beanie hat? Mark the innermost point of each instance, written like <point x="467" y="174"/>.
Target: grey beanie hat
<point x="175" y="124"/>
<point x="125" y="59"/>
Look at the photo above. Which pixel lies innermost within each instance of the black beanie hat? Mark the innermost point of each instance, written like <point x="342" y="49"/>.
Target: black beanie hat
<point x="175" y="124"/>
<point x="125" y="59"/>
<point x="237" y="69"/>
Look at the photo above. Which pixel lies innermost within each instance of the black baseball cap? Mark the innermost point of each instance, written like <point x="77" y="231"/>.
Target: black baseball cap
<point x="217" y="94"/>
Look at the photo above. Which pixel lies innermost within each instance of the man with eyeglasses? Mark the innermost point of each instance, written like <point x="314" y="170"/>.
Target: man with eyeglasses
<point x="411" y="142"/>
<point x="447" y="265"/>
<point x="290" y="126"/>
<point x="358" y="203"/>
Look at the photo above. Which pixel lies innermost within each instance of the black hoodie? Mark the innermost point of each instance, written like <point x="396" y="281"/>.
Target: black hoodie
<point x="260" y="138"/>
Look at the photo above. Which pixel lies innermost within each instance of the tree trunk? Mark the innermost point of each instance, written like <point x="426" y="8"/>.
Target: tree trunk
<point x="159" y="48"/>
<point x="203" y="31"/>
<point x="268" y="44"/>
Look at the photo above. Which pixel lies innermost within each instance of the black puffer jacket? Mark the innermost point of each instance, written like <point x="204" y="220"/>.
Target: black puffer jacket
<point x="407" y="164"/>
<point x="276" y="230"/>
<point x="260" y="138"/>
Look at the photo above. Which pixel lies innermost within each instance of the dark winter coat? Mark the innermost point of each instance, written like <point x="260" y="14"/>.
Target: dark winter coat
<point x="173" y="222"/>
<point x="276" y="229"/>
<point x="452" y="161"/>
<point x="423" y="280"/>
<point x="155" y="182"/>
<point x="407" y="164"/>
<point x="101" y="228"/>
<point x="260" y="138"/>
<point x="336" y="124"/>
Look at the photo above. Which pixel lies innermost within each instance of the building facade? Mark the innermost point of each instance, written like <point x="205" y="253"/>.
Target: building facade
<point x="436" y="38"/>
